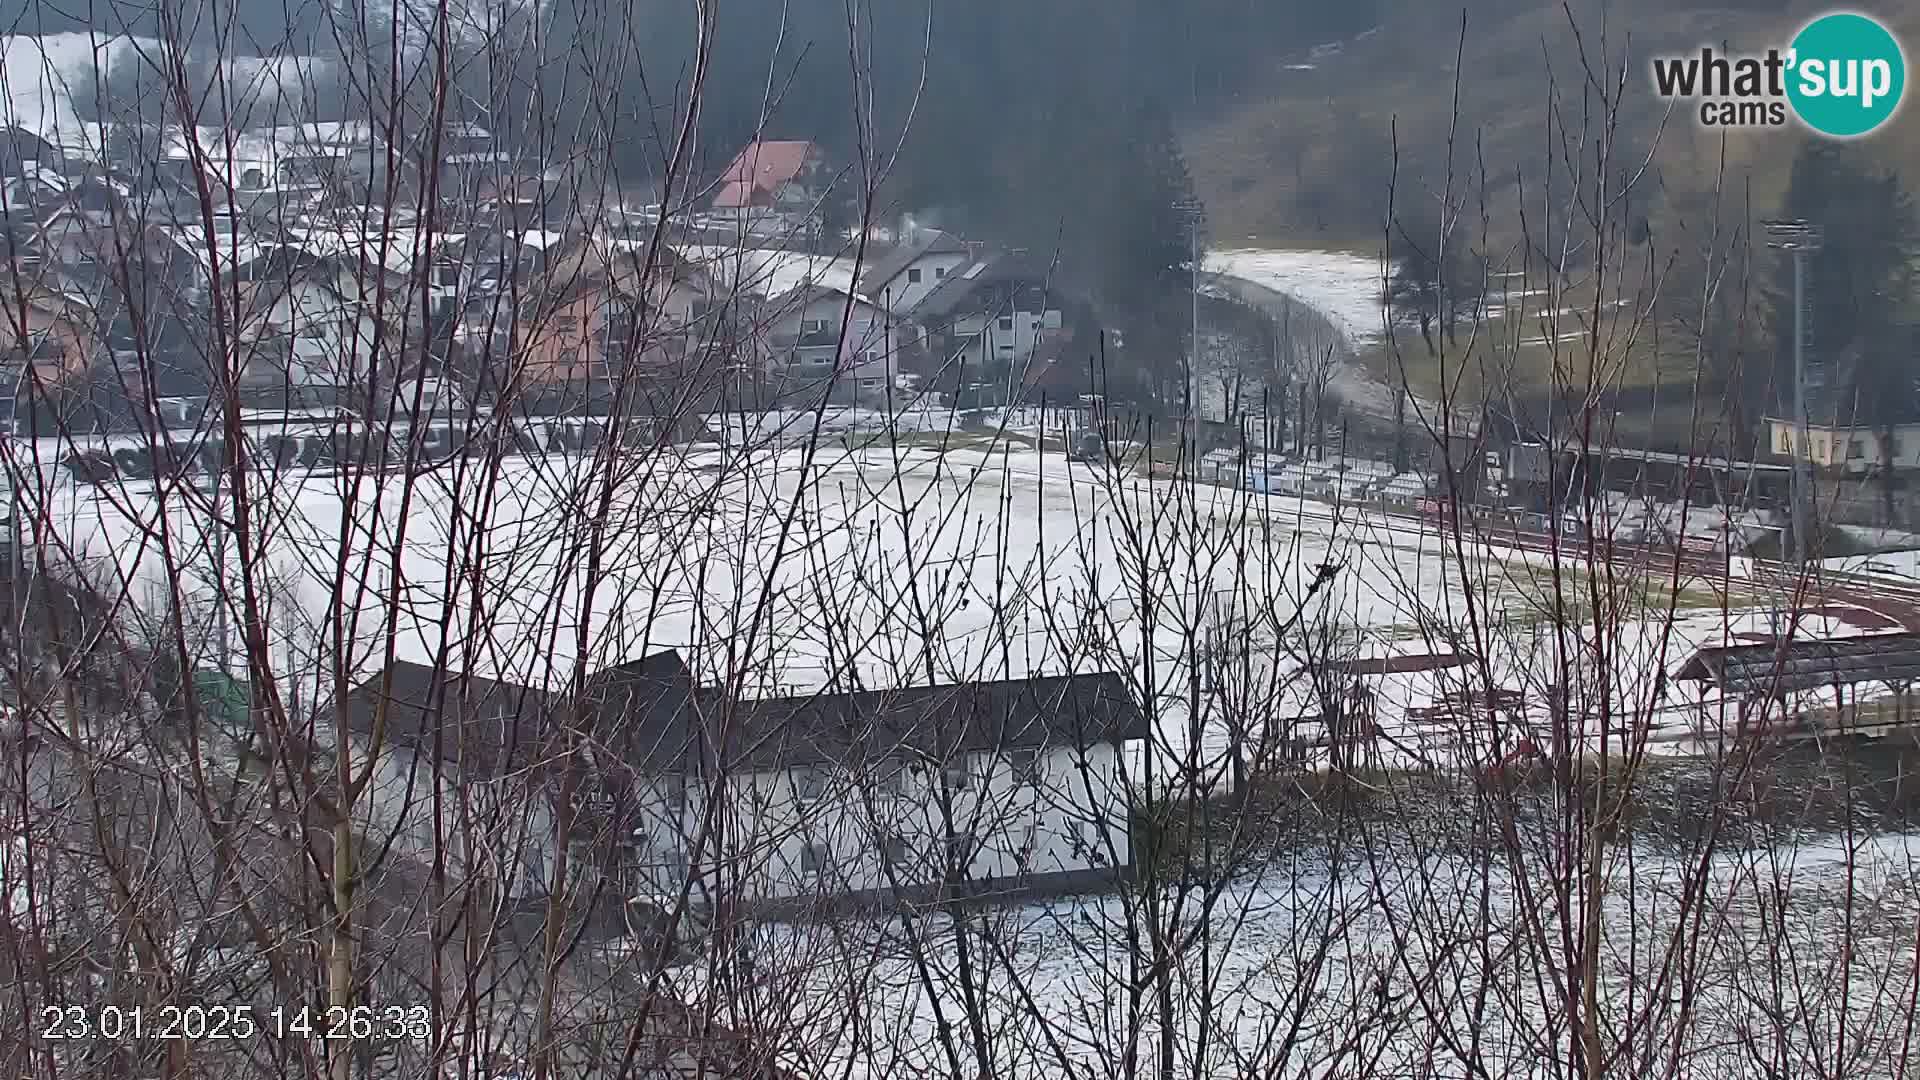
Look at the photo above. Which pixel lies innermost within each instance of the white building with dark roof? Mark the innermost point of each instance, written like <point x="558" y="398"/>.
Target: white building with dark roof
<point x="910" y="794"/>
<point x="921" y="262"/>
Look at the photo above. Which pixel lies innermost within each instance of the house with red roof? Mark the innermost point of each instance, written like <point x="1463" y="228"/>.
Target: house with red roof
<point x="774" y="184"/>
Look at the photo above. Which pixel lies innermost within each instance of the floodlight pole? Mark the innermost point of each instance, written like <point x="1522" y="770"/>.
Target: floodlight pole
<point x="1190" y="209"/>
<point x="1800" y="238"/>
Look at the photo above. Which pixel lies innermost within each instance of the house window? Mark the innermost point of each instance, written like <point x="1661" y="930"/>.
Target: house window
<point x="566" y="324"/>
<point x="959" y="776"/>
<point x="893" y="850"/>
<point x="813" y="326"/>
<point x="809" y="785"/>
<point x="939" y="272"/>
<point x="813" y="859"/>
<point x="47" y="349"/>
<point x="674" y="860"/>
<point x="672" y="794"/>
<point x="252" y="180"/>
<point x="887" y="777"/>
<point x="1088" y="842"/>
<point x="618" y="330"/>
<point x="1856" y="450"/>
<point x="1893" y="447"/>
<point x="584" y="870"/>
<point x="913" y="276"/>
<point x="1006" y="322"/>
<point x="960" y="847"/>
<point x="1026" y="765"/>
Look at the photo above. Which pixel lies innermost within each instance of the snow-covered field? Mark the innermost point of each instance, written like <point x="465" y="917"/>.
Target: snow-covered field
<point x="1899" y="567"/>
<point x="809" y="566"/>
<point x="1345" y="287"/>
<point x="1405" y="963"/>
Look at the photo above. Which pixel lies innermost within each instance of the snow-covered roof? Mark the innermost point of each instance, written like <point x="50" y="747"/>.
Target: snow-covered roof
<point x="769" y="271"/>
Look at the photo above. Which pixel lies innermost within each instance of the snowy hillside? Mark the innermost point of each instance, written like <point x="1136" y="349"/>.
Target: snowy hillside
<point x="1343" y="286"/>
<point x="47" y="75"/>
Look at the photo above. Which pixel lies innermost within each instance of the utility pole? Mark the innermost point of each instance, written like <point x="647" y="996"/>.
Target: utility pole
<point x="1191" y="209"/>
<point x="1800" y="238"/>
<point x="16" y="574"/>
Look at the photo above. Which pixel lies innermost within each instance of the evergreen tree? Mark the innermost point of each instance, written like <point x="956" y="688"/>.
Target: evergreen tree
<point x="1435" y="278"/>
<point x="1142" y="234"/>
<point x="1859" y="289"/>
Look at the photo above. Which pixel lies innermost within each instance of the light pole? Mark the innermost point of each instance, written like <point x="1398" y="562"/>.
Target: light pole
<point x="1193" y="212"/>
<point x="1801" y="238"/>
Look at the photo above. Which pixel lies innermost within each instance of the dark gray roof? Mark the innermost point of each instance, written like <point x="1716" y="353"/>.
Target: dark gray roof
<point x="651" y="717"/>
<point x="500" y="724"/>
<point x="1776" y="667"/>
<point x="935" y="721"/>
<point x="895" y="262"/>
<point x="955" y="290"/>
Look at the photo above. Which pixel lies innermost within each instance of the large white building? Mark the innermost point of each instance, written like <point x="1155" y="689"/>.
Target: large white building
<point x="985" y="788"/>
<point x="1849" y="447"/>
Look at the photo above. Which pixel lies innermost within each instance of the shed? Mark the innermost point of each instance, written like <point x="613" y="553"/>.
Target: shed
<point x="1777" y="667"/>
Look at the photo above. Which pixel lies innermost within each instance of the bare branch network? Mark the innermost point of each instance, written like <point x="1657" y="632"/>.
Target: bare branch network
<point x="499" y="586"/>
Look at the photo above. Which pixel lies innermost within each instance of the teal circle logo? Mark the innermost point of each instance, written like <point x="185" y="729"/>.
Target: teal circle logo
<point x="1846" y="75"/>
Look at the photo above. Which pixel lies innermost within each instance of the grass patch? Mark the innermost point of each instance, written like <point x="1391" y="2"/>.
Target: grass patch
<point x="942" y="441"/>
<point x="1533" y="594"/>
<point x="1512" y="354"/>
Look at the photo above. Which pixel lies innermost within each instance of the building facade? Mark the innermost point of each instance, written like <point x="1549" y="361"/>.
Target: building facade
<point x="1855" y="448"/>
<point x="822" y="340"/>
<point x="917" y="794"/>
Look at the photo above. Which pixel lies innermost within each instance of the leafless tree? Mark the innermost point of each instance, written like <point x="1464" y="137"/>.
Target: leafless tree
<point x="518" y="638"/>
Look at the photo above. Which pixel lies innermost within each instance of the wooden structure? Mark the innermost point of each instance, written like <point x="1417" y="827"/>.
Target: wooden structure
<point x="1761" y="673"/>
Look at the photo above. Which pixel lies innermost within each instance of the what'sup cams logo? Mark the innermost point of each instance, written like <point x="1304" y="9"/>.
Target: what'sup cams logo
<point x="1843" y="76"/>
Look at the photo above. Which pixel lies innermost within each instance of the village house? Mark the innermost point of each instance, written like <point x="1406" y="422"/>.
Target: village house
<point x="601" y="312"/>
<point x="47" y="337"/>
<point x="876" y="796"/>
<point x="312" y="328"/>
<point x="921" y="261"/>
<point x="1002" y="324"/>
<point x="811" y="355"/>
<point x="774" y="187"/>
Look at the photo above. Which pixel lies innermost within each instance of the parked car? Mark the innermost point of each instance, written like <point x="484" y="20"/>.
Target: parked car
<point x="1087" y="445"/>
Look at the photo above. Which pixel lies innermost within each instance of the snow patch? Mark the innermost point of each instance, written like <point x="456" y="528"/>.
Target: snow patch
<point x="770" y="271"/>
<point x="1345" y="287"/>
